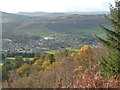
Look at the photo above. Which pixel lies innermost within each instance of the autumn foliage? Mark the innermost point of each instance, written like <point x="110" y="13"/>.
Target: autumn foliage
<point x="85" y="57"/>
<point x="65" y="69"/>
<point x="24" y="70"/>
<point x="91" y="78"/>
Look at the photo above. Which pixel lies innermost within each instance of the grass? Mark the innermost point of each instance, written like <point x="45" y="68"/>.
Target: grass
<point x="72" y="49"/>
<point x="51" y="52"/>
<point x="89" y="31"/>
<point x="23" y="52"/>
<point x="38" y="30"/>
<point x="42" y="30"/>
<point x="28" y="59"/>
<point x="12" y="58"/>
<point x="40" y="33"/>
<point x="7" y="60"/>
<point x="55" y="51"/>
<point x="1" y="64"/>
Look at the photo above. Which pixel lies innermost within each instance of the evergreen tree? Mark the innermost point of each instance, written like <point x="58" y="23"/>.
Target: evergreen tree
<point x="111" y="66"/>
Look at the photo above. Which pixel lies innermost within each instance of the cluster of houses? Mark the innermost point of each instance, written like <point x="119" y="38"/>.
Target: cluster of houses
<point x="52" y="42"/>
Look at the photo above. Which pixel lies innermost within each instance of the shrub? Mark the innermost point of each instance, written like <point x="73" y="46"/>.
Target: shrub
<point x="24" y="70"/>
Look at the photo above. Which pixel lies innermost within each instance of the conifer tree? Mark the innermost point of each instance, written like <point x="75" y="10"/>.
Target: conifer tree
<point x="111" y="66"/>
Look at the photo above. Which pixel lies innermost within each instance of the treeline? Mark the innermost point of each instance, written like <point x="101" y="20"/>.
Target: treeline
<point x="24" y="55"/>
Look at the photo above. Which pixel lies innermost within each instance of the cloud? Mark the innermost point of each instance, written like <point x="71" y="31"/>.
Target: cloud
<point x="54" y="5"/>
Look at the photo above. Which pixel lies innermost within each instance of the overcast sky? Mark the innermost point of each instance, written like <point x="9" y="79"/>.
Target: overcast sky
<point x="14" y="6"/>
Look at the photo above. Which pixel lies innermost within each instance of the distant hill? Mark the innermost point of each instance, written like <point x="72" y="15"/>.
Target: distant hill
<point x="12" y="16"/>
<point x="90" y="13"/>
<point x="43" y="14"/>
<point x="58" y="23"/>
<point x="56" y="14"/>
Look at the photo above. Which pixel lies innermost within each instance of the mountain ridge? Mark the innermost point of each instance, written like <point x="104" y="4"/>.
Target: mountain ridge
<point x="61" y="13"/>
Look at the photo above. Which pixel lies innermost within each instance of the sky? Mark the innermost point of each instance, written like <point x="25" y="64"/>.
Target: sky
<point x="14" y="6"/>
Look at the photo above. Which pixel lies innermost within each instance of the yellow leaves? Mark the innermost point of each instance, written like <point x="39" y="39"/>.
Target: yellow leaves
<point x="38" y="62"/>
<point x="85" y="52"/>
<point x="72" y="54"/>
<point x="50" y="67"/>
<point x="85" y="56"/>
<point x="86" y="49"/>
<point x="46" y="63"/>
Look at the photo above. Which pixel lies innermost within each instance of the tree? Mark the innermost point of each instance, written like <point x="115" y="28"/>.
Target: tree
<point x="50" y="67"/>
<point x="34" y="60"/>
<point x="45" y="64"/>
<point x="5" y="72"/>
<point x="85" y="57"/>
<point x="24" y="70"/>
<point x="50" y="57"/>
<point x="28" y="61"/>
<point x="18" y="62"/>
<point x="3" y="56"/>
<point x="111" y="66"/>
<point x="39" y="62"/>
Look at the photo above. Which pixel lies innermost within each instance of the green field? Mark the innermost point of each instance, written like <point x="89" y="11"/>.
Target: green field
<point x="72" y="49"/>
<point x="55" y="51"/>
<point x="7" y="60"/>
<point x="23" y="52"/>
<point x="11" y="58"/>
<point x="51" y="52"/>
<point x="1" y="64"/>
<point x="40" y="32"/>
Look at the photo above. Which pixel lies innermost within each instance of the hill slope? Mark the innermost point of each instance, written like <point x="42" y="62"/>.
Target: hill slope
<point x="69" y="24"/>
<point x="74" y="24"/>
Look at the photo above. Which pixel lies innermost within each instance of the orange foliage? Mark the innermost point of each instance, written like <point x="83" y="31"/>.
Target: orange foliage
<point x="91" y="78"/>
